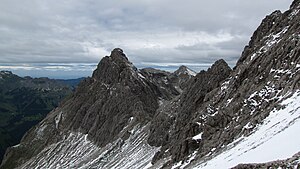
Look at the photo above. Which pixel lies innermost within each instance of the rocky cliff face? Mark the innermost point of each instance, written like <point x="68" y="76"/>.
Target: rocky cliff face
<point x="265" y="75"/>
<point x="172" y="127"/>
<point x="122" y="117"/>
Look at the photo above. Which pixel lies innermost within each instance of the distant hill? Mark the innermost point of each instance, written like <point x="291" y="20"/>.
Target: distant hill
<point x="71" y="82"/>
<point x="26" y="101"/>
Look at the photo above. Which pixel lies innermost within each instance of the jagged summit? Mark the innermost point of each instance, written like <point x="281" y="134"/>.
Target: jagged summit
<point x="185" y="70"/>
<point x="118" y="52"/>
<point x="114" y="68"/>
<point x="8" y="75"/>
<point x="151" y="70"/>
<point x="5" y="72"/>
<point x="219" y="67"/>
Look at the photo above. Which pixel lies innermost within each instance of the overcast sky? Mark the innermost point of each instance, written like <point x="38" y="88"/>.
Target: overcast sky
<point x="47" y="37"/>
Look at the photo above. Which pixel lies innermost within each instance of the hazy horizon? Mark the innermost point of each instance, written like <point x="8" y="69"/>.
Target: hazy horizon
<point x="75" y="70"/>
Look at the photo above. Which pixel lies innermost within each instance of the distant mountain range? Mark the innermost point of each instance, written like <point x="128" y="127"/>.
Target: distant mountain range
<point x="71" y="82"/>
<point x="26" y="101"/>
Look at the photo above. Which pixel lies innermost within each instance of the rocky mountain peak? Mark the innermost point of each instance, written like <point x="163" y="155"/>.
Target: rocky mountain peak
<point x="118" y="54"/>
<point x="114" y="68"/>
<point x="8" y="75"/>
<point x="152" y="71"/>
<point x="219" y="67"/>
<point x="5" y="72"/>
<point x="184" y="70"/>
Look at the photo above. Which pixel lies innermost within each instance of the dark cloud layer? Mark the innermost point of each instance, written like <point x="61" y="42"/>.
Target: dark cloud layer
<point x="159" y="33"/>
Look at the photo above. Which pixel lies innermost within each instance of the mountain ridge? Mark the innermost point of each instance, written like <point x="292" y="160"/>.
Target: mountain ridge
<point x="147" y="126"/>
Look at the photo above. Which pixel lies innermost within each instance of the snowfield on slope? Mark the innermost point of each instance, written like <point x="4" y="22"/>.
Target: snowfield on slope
<point x="76" y="151"/>
<point x="276" y="139"/>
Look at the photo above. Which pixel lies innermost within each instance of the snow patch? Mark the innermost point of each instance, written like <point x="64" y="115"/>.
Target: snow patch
<point x="253" y="56"/>
<point x="141" y="76"/>
<point x="160" y="101"/>
<point x="57" y="119"/>
<point x="215" y="113"/>
<point x="248" y="126"/>
<point x="191" y="72"/>
<point x="256" y="99"/>
<point x="130" y="119"/>
<point x="177" y="165"/>
<point x="229" y="101"/>
<point x="15" y="146"/>
<point x="281" y="71"/>
<point x="198" y="136"/>
<point x="225" y="84"/>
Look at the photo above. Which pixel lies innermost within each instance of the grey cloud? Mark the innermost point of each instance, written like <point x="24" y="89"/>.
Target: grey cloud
<point x="151" y="32"/>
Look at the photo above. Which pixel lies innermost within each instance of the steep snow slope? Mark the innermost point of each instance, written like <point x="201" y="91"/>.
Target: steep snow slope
<point x="276" y="138"/>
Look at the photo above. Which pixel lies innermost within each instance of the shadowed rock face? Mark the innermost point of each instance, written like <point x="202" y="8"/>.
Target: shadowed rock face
<point x="161" y="79"/>
<point x="169" y="85"/>
<point x="182" y="112"/>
